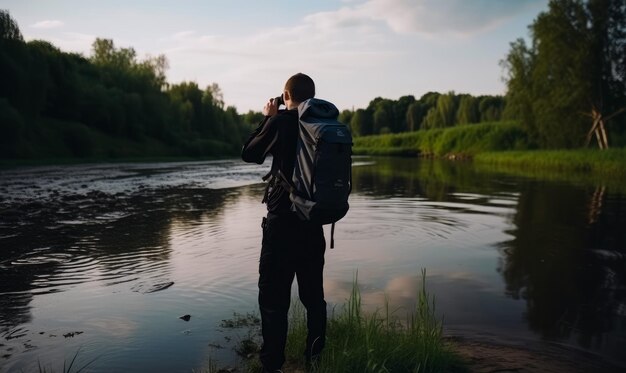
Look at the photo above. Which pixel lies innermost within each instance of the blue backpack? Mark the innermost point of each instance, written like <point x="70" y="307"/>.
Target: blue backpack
<point x="322" y="177"/>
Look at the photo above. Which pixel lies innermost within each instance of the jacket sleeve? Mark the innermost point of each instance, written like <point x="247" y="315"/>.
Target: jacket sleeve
<point x="260" y="142"/>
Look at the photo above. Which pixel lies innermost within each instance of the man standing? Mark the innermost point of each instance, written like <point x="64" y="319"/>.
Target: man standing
<point x="290" y="247"/>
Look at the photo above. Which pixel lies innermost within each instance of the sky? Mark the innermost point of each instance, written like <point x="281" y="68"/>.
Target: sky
<point x="355" y="50"/>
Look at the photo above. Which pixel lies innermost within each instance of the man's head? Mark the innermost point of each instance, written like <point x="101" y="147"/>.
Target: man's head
<point x="298" y="88"/>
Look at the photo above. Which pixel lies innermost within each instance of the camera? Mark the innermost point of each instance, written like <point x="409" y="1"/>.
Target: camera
<point x="279" y="101"/>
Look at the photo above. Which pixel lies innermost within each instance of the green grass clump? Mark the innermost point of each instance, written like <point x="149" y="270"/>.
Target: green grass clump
<point x="377" y="342"/>
<point x="608" y="162"/>
<point x="465" y="140"/>
<point x="67" y="368"/>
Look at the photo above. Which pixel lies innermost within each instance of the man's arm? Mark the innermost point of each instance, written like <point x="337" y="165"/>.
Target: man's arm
<point x="260" y="142"/>
<point x="263" y="138"/>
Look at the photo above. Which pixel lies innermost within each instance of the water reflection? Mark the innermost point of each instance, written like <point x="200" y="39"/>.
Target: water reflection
<point x="85" y="249"/>
<point x="81" y="239"/>
<point x="565" y="258"/>
<point x="567" y="262"/>
<point x="99" y="237"/>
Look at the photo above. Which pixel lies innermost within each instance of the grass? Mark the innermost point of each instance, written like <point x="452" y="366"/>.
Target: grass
<point x="463" y="140"/>
<point x="501" y="147"/>
<point x="378" y="342"/>
<point x="585" y="167"/>
<point x="610" y="162"/>
<point x="51" y="141"/>
<point x="67" y="368"/>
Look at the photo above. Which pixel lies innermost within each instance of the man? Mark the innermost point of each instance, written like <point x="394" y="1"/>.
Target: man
<point x="290" y="247"/>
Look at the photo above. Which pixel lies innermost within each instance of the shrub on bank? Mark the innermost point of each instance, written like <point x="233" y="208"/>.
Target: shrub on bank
<point x="609" y="162"/>
<point x="377" y="342"/>
<point x="464" y="140"/>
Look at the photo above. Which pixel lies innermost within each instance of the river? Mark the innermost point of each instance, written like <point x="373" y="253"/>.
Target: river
<point x="99" y="261"/>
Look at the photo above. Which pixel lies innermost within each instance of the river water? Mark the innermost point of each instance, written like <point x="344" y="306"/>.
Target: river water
<point x="99" y="261"/>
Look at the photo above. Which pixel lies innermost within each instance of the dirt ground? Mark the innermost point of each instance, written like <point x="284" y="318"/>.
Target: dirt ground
<point x="492" y="357"/>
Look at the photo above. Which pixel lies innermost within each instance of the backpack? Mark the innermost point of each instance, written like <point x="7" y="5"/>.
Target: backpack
<point x="322" y="177"/>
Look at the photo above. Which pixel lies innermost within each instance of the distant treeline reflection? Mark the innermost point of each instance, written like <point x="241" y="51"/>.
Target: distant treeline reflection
<point x="566" y="257"/>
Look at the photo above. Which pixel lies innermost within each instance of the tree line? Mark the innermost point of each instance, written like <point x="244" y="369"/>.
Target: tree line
<point x="566" y="86"/>
<point x="61" y="104"/>
<point x="432" y="110"/>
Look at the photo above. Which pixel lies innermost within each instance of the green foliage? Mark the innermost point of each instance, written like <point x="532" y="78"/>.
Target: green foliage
<point x="432" y="110"/>
<point x="609" y="163"/>
<point x="362" y="123"/>
<point x="8" y="27"/>
<point x="463" y="140"/>
<point x="112" y="104"/>
<point x="11" y="127"/>
<point x="377" y="342"/>
<point x="78" y="140"/>
<point x="468" y="110"/>
<point x="415" y="115"/>
<point x="574" y="67"/>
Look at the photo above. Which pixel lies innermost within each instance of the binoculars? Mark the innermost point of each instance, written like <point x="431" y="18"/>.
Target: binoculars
<point x="279" y="101"/>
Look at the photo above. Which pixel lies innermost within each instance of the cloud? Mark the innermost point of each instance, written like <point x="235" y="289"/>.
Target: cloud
<point x="427" y="17"/>
<point x="48" y="24"/>
<point x="265" y="59"/>
<point x="361" y="42"/>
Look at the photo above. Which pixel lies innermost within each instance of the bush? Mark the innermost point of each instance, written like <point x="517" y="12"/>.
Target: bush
<point x="78" y="140"/>
<point x="467" y="139"/>
<point x="11" y="125"/>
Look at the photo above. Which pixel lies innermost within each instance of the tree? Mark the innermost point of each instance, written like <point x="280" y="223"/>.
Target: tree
<point x="346" y="116"/>
<point x="490" y="108"/>
<point x="361" y="123"/>
<point x="519" y="63"/>
<point x="9" y="30"/>
<point x="415" y="115"/>
<point x="382" y="120"/>
<point x="400" y="108"/>
<point x="105" y="54"/>
<point x="216" y="93"/>
<point x="444" y="113"/>
<point x="468" y="110"/>
<point x="570" y="81"/>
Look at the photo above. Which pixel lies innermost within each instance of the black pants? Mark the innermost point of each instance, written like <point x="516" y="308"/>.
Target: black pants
<point x="290" y="247"/>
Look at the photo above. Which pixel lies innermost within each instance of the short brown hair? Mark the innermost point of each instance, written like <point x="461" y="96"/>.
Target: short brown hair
<point x="301" y="87"/>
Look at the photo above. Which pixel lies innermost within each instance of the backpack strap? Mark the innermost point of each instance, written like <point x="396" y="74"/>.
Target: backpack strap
<point x="332" y="236"/>
<point x="287" y="184"/>
<point x="272" y="182"/>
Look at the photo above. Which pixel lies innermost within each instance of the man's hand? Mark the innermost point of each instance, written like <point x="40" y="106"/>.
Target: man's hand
<point x="270" y="108"/>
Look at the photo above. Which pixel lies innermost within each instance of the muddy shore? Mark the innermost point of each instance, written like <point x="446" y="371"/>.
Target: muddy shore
<point x="488" y="356"/>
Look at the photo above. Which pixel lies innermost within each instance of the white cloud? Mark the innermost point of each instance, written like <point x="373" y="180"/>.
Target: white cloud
<point x="427" y="17"/>
<point x="181" y="35"/>
<point x="48" y="24"/>
<point x="362" y="47"/>
<point x="261" y="62"/>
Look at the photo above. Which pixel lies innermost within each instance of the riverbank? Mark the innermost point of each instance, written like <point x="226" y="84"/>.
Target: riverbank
<point x="462" y="141"/>
<point x="53" y="141"/>
<point x="609" y="162"/>
<point x="381" y="341"/>
<point x="65" y="161"/>
<point x="485" y="355"/>
<point x="501" y="147"/>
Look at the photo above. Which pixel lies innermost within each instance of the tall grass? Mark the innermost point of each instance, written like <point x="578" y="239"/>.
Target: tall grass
<point x="67" y="368"/>
<point x="609" y="162"/>
<point x="376" y="342"/>
<point x="465" y="140"/>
